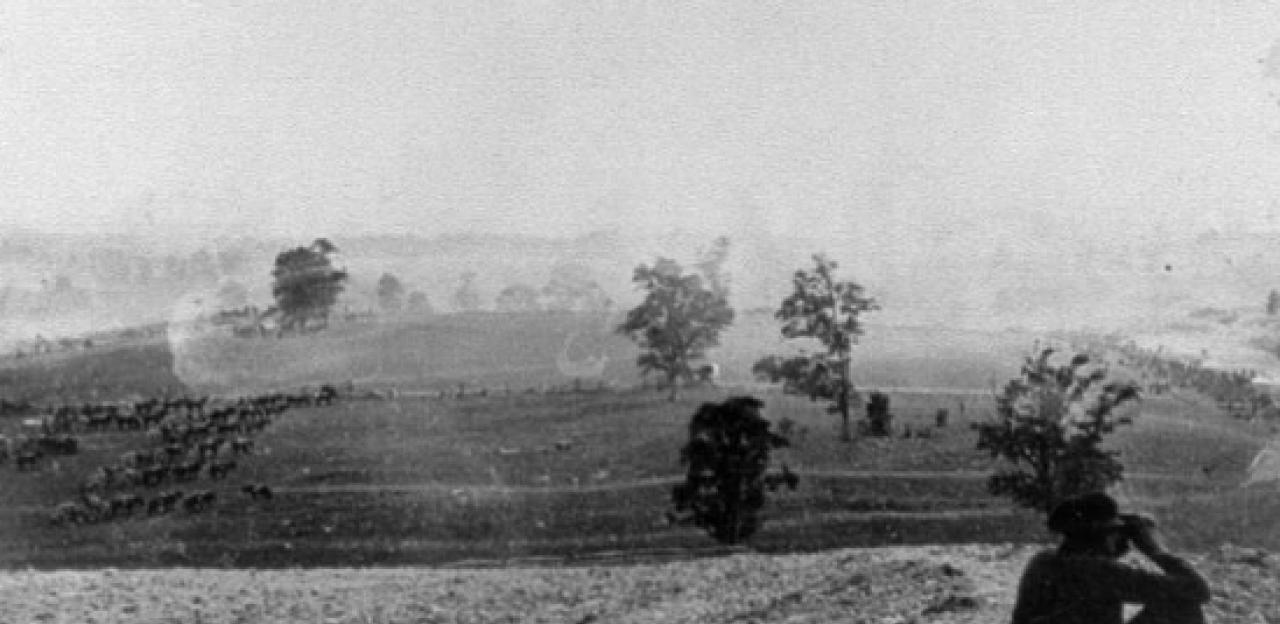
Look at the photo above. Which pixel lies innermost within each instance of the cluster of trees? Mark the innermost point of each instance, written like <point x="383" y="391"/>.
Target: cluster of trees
<point x="121" y="267"/>
<point x="571" y="288"/>
<point x="1049" y="429"/>
<point x="306" y="285"/>
<point x="684" y="313"/>
<point x="1049" y="425"/>
<point x="392" y="297"/>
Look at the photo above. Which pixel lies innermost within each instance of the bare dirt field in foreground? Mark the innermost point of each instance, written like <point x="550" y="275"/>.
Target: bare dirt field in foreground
<point x="879" y="585"/>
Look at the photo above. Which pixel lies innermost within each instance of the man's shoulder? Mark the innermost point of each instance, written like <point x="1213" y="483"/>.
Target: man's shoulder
<point x="1043" y="557"/>
<point x="1041" y="564"/>
<point x="1053" y="559"/>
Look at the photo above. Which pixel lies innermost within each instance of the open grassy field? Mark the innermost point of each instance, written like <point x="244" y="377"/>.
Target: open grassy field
<point x="523" y="350"/>
<point x="416" y="479"/>
<point x="110" y="372"/>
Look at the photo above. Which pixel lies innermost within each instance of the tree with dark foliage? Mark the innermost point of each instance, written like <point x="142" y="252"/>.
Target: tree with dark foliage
<point x="824" y="309"/>
<point x="727" y="456"/>
<point x="878" y="414"/>
<point x="1049" y="426"/>
<point x="677" y="322"/>
<point x="306" y="284"/>
<point x="390" y="293"/>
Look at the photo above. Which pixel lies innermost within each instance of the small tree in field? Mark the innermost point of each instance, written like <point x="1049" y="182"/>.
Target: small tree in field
<point x="305" y="283"/>
<point x="727" y="456"/>
<point x="827" y="310"/>
<point x="679" y="319"/>
<point x="1049" y="427"/>
<point x="390" y="293"/>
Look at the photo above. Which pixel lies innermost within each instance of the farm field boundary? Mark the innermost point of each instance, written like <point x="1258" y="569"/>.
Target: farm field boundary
<point x="422" y="393"/>
<point x="963" y="475"/>
<point x="458" y="489"/>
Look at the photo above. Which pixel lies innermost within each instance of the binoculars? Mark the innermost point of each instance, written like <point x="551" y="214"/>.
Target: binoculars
<point x="1134" y="524"/>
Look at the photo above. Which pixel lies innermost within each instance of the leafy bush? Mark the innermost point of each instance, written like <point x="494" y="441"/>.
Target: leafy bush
<point x="879" y="420"/>
<point x="1049" y="426"/>
<point x="727" y="455"/>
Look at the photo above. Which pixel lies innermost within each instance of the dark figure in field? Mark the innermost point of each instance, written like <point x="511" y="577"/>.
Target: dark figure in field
<point x="326" y="395"/>
<point x="256" y="491"/>
<point x="878" y="414"/>
<point x="1083" y="581"/>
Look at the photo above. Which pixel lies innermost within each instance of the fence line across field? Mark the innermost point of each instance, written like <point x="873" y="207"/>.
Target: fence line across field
<point x="590" y="388"/>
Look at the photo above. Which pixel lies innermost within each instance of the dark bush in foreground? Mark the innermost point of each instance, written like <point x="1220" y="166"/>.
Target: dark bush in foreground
<point x="727" y="456"/>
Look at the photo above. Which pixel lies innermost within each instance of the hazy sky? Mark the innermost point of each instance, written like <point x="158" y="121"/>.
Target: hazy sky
<point x="1056" y="122"/>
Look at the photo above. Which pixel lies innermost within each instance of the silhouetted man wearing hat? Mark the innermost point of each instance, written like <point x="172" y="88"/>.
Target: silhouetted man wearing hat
<point x="1083" y="581"/>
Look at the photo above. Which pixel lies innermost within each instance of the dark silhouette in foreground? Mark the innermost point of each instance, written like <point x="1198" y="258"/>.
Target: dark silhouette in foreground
<point x="727" y="456"/>
<point x="1083" y="580"/>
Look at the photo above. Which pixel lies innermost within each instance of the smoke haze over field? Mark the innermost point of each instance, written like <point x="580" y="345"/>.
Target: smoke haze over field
<point x="1008" y="283"/>
<point x="978" y="166"/>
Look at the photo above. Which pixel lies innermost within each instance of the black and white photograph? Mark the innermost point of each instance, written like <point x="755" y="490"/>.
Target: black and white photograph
<point x="739" y="311"/>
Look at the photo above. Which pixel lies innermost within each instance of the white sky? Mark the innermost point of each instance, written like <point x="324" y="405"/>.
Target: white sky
<point x="1054" y="121"/>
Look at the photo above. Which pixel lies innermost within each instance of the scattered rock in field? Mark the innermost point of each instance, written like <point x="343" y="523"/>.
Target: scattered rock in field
<point x="953" y="584"/>
<point x="1230" y="553"/>
<point x="951" y="602"/>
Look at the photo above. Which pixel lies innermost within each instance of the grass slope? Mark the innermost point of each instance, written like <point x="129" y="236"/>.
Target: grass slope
<point x="414" y="480"/>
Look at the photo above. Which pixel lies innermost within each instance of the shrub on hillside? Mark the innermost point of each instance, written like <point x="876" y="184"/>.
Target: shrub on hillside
<point x="727" y="456"/>
<point x="879" y="419"/>
<point x="1049" y="427"/>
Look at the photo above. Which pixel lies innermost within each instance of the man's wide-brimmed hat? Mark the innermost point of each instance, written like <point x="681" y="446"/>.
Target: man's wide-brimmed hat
<point x="1091" y="513"/>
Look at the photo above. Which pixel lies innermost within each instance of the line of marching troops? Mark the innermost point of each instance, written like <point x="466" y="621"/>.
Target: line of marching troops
<point x="186" y="438"/>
